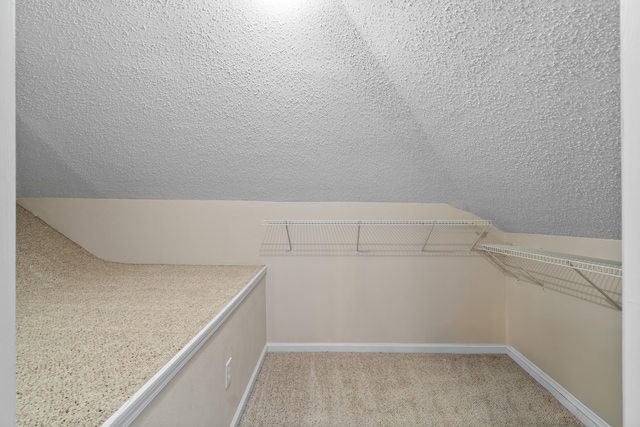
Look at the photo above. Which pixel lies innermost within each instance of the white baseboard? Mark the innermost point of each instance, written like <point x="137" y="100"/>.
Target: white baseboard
<point x="386" y="348"/>
<point x="249" y="389"/>
<point x="577" y="408"/>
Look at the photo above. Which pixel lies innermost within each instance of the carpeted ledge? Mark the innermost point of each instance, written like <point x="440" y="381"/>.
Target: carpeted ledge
<point x="90" y="333"/>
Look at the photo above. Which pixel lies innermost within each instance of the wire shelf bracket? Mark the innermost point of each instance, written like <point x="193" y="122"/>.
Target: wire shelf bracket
<point x="541" y="267"/>
<point x="595" y="280"/>
<point x="389" y="237"/>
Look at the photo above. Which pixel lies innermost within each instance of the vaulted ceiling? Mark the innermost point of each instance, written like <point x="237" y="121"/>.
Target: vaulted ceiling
<point x="509" y="110"/>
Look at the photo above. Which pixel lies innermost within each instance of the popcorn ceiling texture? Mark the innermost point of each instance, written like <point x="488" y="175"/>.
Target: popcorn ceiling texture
<point x="509" y="110"/>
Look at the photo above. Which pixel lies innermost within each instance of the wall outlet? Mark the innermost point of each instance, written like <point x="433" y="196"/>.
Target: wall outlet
<point x="227" y="376"/>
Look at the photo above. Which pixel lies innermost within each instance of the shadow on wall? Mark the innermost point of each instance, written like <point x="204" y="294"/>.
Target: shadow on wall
<point x="56" y="179"/>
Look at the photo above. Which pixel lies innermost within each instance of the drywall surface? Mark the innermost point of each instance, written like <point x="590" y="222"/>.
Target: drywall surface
<point x="630" y="53"/>
<point x="385" y="300"/>
<point x="205" y="231"/>
<point x="350" y="299"/>
<point x="508" y="110"/>
<point x="7" y="215"/>
<point x="576" y="342"/>
<point x="607" y="249"/>
<point x="196" y="396"/>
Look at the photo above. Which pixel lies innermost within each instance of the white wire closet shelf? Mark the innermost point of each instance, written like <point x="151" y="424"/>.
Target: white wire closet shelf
<point x="381" y="237"/>
<point x="592" y="279"/>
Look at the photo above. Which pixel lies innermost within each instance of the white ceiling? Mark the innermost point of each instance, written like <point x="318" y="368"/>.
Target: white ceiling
<point x="506" y="109"/>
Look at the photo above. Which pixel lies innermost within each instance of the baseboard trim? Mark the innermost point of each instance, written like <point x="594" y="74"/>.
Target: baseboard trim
<point x="247" y="392"/>
<point x="577" y="408"/>
<point x="386" y="348"/>
<point x="132" y="407"/>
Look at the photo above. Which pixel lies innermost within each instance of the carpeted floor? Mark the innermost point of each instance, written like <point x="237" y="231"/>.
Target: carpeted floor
<point x="90" y="333"/>
<point x="367" y="389"/>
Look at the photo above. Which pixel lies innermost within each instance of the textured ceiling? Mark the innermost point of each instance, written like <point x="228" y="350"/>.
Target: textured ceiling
<point x="509" y="110"/>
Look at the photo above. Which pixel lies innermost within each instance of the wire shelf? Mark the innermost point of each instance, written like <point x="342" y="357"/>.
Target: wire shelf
<point x="594" y="265"/>
<point x="389" y="237"/>
<point x="591" y="279"/>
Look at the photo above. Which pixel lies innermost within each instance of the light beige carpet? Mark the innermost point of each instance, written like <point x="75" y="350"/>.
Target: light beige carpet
<point x="90" y="333"/>
<point x="376" y="389"/>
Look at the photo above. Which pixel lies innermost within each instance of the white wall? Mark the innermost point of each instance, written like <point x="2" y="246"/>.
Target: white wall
<point x="630" y="58"/>
<point x="7" y="213"/>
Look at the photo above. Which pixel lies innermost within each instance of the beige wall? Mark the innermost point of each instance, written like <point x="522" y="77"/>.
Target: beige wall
<point x="309" y="299"/>
<point x="576" y="342"/>
<point x="594" y="248"/>
<point x="196" y="396"/>
<point x="198" y="231"/>
<point x="349" y="299"/>
<point x="385" y="300"/>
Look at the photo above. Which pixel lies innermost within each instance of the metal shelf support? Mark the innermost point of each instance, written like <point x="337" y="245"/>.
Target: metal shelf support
<point x="480" y="236"/>
<point x="286" y="226"/>
<point x="385" y="237"/>
<point x="427" y="241"/>
<point x="604" y="294"/>
<point x="600" y="270"/>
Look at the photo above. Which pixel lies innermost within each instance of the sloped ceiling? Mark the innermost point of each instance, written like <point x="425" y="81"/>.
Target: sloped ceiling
<point x="506" y="109"/>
